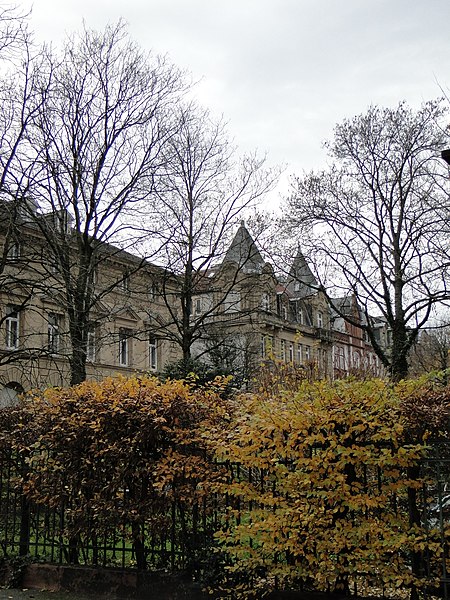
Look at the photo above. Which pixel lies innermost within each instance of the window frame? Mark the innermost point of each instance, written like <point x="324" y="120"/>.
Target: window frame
<point x="54" y="321"/>
<point x="91" y="345"/>
<point x="153" y="352"/>
<point x="125" y="336"/>
<point x="265" y="302"/>
<point x="12" y="325"/>
<point x="232" y="302"/>
<point x="320" y="319"/>
<point x="125" y="281"/>
<point x="307" y="353"/>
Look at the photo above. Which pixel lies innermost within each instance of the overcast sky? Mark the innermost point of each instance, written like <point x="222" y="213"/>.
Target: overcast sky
<point x="283" y="72"/>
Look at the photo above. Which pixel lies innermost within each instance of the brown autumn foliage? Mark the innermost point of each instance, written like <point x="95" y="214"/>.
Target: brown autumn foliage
<point x="118" y="452"/>
<point x="325" y="484"/>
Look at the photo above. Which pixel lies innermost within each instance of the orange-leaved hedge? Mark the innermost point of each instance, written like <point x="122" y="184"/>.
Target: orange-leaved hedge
<point x="116" y="452"/>
<point x="328" y="489"/>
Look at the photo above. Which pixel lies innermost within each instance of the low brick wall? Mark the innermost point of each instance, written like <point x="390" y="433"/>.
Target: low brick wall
<point x="131" y="585"/>
<point x="111" y="583"/>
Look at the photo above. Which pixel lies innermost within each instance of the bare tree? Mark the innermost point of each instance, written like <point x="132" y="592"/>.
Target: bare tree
<point x="376" y="223"/>
<point x="204" y="191"/>
<point x="14" y="33"/>
<point x="432" y="350"/>
<point x="24" y="82"/>
<point x="94" y="148"/>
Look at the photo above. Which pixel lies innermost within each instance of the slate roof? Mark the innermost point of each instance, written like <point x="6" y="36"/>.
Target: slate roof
<point x="244" y="253"/>
<point x="301" y="280"/>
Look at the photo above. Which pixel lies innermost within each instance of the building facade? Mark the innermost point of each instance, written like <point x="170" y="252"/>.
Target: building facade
<point x="36" y="348"/>
<point x="266" y="316"/>
<point x="252" y="316"/>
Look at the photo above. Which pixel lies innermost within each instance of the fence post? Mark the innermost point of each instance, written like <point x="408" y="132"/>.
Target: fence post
<point x="24" y="535"/>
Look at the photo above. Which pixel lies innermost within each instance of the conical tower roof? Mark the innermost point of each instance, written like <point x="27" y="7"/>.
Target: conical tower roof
<point x="244" y="253"/>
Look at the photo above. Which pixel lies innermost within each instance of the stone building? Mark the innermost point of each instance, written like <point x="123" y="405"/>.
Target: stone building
<point x="265" y="315"/>
<point x="252" y="314"/>
<point x="352" y="352"/>
<point x="35" y="348"/>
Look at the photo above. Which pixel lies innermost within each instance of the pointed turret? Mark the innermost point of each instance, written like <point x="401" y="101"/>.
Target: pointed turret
<point x="244" y="253"/>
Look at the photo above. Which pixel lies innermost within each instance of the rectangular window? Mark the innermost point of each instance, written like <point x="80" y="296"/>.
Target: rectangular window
<point x="124" y="348"/>
<point x="153" y="353"/>
<point x="267" y="343"/>
<point x="299" y="354"/>
<point x="54" y="265"/>
<point x="90" y="346"/>
<point x="125" y="281"/>
<point x="54" y="333"/>
<point x="198" y="306"/>
<point x="265" y="302"/>
<point x="291" y="352"/>
<point x="320" y="319"/>
<point x="283" y="350"/>
<point x="299" y="315"/>
<point x="153" y="291"/>
<point x="232" y="302"/>
<point x="93" y="277"/>
<point x="12" y="328"/>
<point x="307" y="353"/>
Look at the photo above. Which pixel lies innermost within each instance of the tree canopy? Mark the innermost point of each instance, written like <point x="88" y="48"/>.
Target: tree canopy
<point x="375" y="224"/>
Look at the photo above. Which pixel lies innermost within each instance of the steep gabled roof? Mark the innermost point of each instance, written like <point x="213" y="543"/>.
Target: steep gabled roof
<point x="244" y="253"/>
<point x="301" y="280"/>
<point x="345" y="305"/>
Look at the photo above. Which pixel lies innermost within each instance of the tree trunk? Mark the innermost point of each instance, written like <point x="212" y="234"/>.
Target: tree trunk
<point x="139" y="547"/>
<point x="77" y="364"/>
<point x="78" y="338"/>
<point x="400" y="347"/>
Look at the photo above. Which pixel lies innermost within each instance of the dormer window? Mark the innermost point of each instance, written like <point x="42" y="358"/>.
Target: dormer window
<point x="63" y="220"/>
<point x="232" y="302"/>
<point x="320" y="319"/>
<point x="13" y="251"/>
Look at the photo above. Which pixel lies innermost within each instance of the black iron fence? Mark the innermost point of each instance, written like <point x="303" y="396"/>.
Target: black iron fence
<point x="172" y="537"/>
<point x="179" y="535"/>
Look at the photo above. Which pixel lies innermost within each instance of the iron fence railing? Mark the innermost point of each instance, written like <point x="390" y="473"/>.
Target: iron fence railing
<point x="170" y="538"/>
<point x="179" y="534"/>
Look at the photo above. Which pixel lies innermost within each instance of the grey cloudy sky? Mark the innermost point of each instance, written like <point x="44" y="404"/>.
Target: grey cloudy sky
<point x="283" y="72"/>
